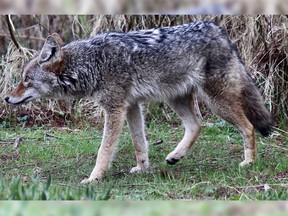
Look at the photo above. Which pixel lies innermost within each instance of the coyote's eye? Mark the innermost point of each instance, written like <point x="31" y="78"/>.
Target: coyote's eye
<point x="26" y="79"/>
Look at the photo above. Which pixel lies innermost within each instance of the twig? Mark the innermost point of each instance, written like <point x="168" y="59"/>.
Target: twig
<point x="3" y="112"/>
<point x="278" y="129"/>
<point x="50" y="135"/>
<point x="17" y="142"/>
<point x="261" y="186"/>
<point x="238" y="191"/>
<point x="11" y="32"/>
<point x="158" y="142"/>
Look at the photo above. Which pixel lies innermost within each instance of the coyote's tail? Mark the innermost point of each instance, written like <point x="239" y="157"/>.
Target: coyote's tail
<point x="255" y="109"/>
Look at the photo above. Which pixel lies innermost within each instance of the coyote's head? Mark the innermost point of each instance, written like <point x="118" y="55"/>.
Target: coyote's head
<point x="39" y="76"/>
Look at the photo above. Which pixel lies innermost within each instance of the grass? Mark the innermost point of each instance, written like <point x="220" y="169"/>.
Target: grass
<point x="49" y="164"/>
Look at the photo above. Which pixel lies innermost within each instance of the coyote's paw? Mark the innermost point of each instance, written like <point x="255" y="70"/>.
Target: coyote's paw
<point x="85" y="181"/>
<point x="139" y="169"/>
<point x="173" y="158"/>
<point x="246" y="163"/>
<point x="136" y="169"/>
<point x="89" y="180"/>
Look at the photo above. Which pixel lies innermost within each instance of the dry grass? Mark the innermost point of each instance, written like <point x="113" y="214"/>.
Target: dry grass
<point x="261" y="41"/>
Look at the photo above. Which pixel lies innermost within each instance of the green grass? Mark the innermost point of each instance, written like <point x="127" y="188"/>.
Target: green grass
<point x="50" y="163"/>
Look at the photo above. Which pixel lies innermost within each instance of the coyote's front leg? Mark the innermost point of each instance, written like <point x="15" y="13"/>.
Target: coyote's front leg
<point x="114" y="121"/>
<point x="136" y="124"/>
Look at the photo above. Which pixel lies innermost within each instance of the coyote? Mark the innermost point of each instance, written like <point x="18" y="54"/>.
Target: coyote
<point x="120" y="71"/>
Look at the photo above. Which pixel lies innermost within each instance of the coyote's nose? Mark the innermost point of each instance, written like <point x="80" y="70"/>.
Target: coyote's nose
<point x="6" y="99"/>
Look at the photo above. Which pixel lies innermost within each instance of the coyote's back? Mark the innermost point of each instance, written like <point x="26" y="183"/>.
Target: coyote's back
<point x="171" y="64"/>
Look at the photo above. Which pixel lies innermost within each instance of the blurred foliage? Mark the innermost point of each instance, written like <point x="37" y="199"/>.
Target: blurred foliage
<point x="143" y="6"/>
<point x="155" y="208"/>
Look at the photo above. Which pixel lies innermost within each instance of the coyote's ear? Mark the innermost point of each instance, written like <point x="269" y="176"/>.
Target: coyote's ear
<point x="51" y="56"/>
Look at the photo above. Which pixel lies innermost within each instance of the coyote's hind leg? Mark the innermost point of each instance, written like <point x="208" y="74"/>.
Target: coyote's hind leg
<point x="231" y="109"/>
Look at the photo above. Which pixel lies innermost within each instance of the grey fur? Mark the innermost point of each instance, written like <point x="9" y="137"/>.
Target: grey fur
<point x="122" y="70"/>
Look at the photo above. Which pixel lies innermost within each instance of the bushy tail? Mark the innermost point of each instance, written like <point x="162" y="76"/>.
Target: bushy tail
<point x="255" y="109"/>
